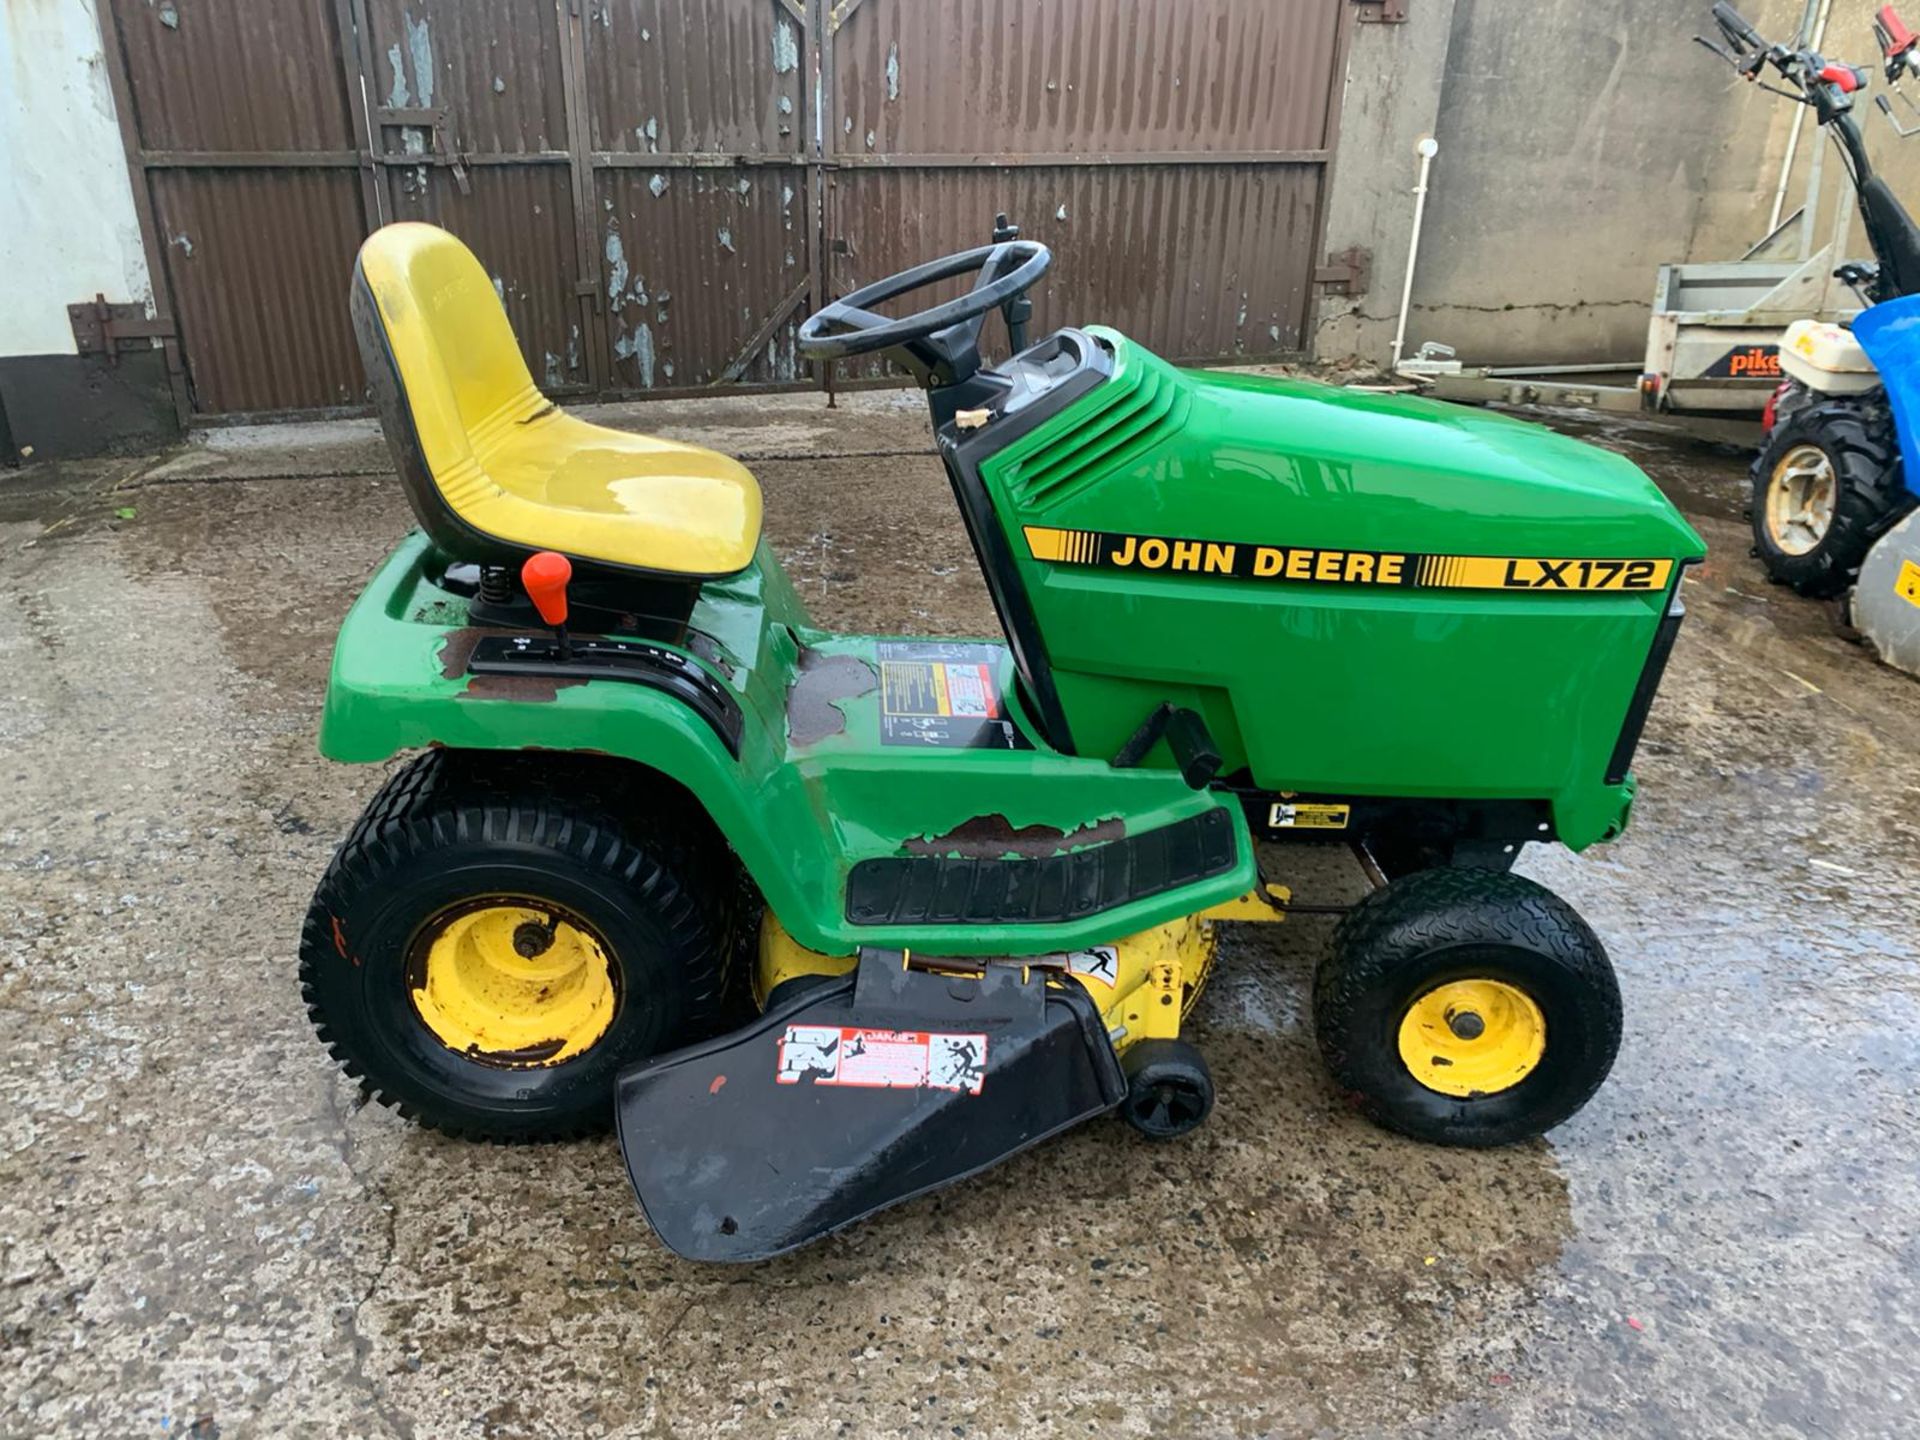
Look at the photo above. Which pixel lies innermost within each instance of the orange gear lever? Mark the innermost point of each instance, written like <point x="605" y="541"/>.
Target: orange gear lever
<point x="545" y="576"/>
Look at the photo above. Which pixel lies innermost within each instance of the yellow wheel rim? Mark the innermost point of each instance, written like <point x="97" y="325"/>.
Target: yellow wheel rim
<point x="1473" y="1037"/>
<point x="513" y="984"/>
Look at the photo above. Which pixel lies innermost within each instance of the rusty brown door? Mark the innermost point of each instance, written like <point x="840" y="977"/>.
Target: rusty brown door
<point x="468" y="108"/>
<point x="245" y="160"/>
<point x="697" y="118"/>
<point x="662" y="188"/>
<point x="1172" y="152"/>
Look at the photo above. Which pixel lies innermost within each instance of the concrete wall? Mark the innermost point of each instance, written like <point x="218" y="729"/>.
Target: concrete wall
<point x="1582" y="145"/>
<point x="69" y="232"/>
<point x="1395" y="75"/>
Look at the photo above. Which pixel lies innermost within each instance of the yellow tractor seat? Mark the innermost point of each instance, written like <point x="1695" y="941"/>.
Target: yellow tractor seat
<point x="495" y="471"/>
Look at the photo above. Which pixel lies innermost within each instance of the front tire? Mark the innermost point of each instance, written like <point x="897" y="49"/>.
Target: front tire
<point x="1467" y="1007"/>
<point x="497" y="939"/>
<point x="1825" y="486"/>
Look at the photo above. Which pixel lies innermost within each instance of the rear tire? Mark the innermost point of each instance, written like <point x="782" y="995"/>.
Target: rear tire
<point x="452" y="835"/>
<point x="1533" y="1036"/>
<point x="1844" y="449"/>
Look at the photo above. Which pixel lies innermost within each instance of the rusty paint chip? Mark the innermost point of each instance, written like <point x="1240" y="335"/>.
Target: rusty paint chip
<point x="813" y="709"/>
<point x="992" y="837"/>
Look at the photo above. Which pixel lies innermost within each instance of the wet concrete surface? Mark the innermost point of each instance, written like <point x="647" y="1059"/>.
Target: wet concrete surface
<point x="203" y="1231"/>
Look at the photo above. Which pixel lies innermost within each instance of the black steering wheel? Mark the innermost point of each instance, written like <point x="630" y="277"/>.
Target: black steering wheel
<point x="940" y="345"/>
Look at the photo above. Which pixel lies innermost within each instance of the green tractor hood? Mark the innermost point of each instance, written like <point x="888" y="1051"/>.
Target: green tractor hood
<point x="1362" y="594"/>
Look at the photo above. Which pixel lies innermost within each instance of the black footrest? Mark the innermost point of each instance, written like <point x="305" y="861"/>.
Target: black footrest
<point x="971" y="890"/>
<point x="863" y="1092"/>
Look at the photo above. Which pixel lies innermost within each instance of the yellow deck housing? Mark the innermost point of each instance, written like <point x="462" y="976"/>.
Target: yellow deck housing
<point x="1145" y="984"/>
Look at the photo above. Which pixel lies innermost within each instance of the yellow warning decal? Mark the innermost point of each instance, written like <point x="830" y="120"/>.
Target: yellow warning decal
<point x="1907" y="583"/>
<point x="1299" y="815"/>
<point x="1241" y="560"/>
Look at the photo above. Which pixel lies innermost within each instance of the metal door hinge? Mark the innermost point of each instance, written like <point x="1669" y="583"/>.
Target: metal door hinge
<point x="1346" y="271"/>
<point x="1381" y="12"/>
<point x="106" y="329"/>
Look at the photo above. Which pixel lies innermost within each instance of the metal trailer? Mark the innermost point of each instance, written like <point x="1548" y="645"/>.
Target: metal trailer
<point x="1713" y="351"/>
<point x="1713" y="342"/>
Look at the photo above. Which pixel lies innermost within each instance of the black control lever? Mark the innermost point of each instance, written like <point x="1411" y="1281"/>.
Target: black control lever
<point x="1721" y="50"/>
<point x="1017" y="311"/>
<point x="1186" y="734"/>
<point x="1886" y="109"/>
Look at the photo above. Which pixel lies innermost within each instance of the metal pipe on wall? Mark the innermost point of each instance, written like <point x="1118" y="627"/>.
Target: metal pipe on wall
<point x="1426" y="149"/>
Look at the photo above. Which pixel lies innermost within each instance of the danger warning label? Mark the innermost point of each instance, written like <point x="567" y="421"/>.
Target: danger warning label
<point x="881" y="1059"/>
<point x="944" y="695"/>
<point x="1101" y="963"/>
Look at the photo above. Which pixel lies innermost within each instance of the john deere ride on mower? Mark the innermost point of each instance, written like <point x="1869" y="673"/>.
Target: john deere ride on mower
<point x="976" y="883"/>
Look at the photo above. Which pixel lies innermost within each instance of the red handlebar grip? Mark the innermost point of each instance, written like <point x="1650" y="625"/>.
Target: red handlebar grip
<point x="1899" y="38"/>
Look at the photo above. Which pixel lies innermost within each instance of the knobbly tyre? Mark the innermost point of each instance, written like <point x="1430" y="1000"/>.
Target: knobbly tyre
<point x="977" y="884"/>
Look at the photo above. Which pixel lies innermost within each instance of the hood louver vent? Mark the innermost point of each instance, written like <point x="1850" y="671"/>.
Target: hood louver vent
<point x="1151" y="408"/>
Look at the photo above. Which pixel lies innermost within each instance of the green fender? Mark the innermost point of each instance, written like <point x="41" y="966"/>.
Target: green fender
<point x="798" y="816"/>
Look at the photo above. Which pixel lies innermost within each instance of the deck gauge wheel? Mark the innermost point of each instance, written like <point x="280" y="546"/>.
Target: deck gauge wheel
<point x="1169" y="1088"/>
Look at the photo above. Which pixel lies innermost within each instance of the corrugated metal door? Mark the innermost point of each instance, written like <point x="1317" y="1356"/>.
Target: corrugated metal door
<point x="661" y="187"/>
<point x="247" y="158"/>
<point x="1172" y="152"/>
<point x="468" y="104"/>
<point x="697" y="119"/>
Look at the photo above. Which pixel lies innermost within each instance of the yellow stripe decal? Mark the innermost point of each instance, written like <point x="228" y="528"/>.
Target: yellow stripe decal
<point x="1241" y="560"/>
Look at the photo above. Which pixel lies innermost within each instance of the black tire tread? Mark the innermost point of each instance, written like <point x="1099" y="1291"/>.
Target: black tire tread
<point x="1440" y="909"/>
<point x="1859" y="438"/>
<point x="448" y="797"/>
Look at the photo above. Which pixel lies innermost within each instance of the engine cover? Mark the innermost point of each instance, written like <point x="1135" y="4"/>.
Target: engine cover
<point x="1827" y="358"/>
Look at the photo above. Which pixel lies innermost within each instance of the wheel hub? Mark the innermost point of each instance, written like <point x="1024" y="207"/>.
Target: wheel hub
<point x="1473" y="1037"/>
<point x="1800" y="499"/>
<point x="509" y="985"/>
<point x="1466" y="1024"/>
<point x="1170" y="1106"/>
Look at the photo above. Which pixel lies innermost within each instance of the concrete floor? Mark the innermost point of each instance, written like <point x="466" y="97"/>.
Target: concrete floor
<point x="203" y="1231"/>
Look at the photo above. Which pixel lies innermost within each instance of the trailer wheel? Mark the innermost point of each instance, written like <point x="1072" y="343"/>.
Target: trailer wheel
<point x="493" y="943"/>
<point x="1825" y="486"/>
<point x="1467" y="1007"/>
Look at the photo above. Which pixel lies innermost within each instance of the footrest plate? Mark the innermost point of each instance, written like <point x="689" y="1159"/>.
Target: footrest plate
<point x="863" y="1092"/>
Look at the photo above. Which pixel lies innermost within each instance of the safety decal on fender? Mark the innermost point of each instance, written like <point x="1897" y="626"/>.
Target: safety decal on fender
<point x="943" y="694"/>
<point x="881" y="1059"/>
<point x="1241" y="560"/>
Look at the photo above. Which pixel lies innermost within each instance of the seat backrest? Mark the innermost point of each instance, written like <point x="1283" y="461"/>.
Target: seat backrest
<point x="441" y="361"/>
